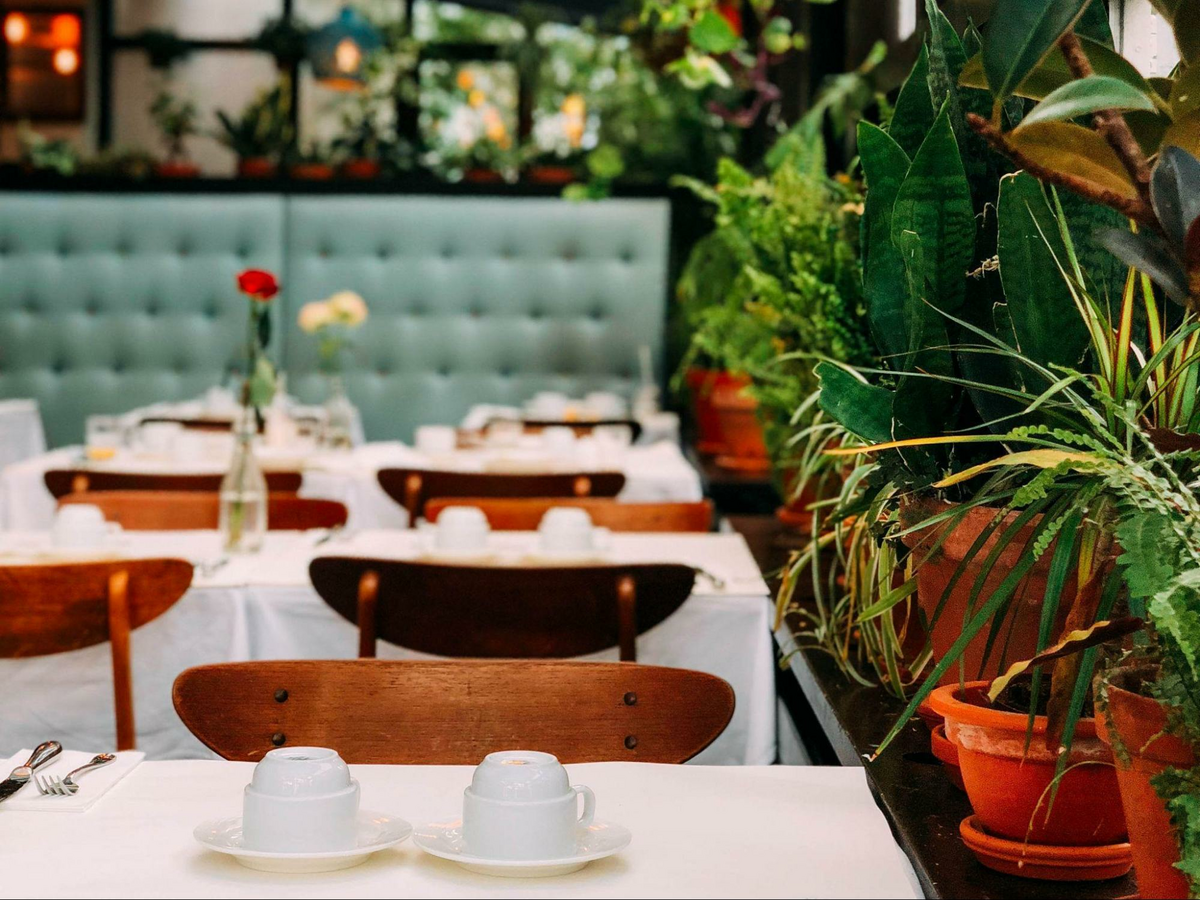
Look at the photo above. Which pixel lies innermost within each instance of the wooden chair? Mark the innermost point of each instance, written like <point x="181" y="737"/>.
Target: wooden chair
<point x="400" y="712"/>
<point x="524" y="514"/>
<point x="193" y="424"/>
<point x="500" y="611"/>
<point x="193" y="510"/>
<point x="54" y="608"/>
<point x="582" y="428"/>
<point x="412" y="488"/>
<point x="61" y="482"/>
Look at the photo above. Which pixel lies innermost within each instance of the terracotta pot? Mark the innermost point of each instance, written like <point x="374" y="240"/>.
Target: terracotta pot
<point x="311" y="171"/>
<point x="1138" y="723"/>
<point x="947" y="753"/>
<point x="1007" y="784"/>
<point x="483" y="176"/>
<point x="362" y="169"/>
<point x="1018" y="634"/>
<point x="737" y="416"/>
<point x="701" y="383"/>
<point x="550" y="174"/>
<point x="256" y="167"/>
<point x="176" y="169"/>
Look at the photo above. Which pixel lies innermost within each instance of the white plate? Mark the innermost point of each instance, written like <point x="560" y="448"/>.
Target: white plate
<point x="375" y="832"/>
<point x="598" y="840"/>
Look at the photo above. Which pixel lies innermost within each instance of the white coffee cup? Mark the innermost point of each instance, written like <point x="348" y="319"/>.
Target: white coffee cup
<point x="549" y="405"/>
<point x="461" y="529"/>
<point x="300" y="800"/>
<point x="436" y="439"/>
<point x="520" y="806"/>
<point x="81" y="526"/>
<point x="568" y="531"/>
<point x="159" y="437"/>
<point x="605" y="405"/>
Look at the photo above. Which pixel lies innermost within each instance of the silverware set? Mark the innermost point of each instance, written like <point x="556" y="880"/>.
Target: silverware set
<point x="51" y="786"/>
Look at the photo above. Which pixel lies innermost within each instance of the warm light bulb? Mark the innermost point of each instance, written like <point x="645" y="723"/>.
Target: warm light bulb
<point x="66" y="61"/>
<point x="346" y="56"/>
<point x="64" y="30"/>
<point x="16" y="28"/>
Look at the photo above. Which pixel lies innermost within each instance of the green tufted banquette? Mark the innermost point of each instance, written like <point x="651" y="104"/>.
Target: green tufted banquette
<point x="112" y="301"/>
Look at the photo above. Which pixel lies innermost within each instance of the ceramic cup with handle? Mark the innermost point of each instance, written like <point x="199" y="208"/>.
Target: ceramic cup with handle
<point x="300" y="800"/>
<point x="81" y="526"/>
<point x="461" y="529"/>
<point x="568" y="531"/>
<point x="159" y="437"/>
<point x="520" y="806"/>
<point x="436" y="439"/>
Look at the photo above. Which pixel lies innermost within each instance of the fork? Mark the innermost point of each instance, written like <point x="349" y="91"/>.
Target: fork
<point x="66" y="786"/>
<point x="209" y="568"/>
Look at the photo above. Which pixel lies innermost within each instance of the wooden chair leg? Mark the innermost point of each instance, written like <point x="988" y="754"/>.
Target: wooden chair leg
<point x="118" y="635"/>
<point x="412" y="498"/>
<point x="368" y="595"/>
<point x="627" y="618"/>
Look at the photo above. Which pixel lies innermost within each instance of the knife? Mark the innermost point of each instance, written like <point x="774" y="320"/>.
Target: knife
<point x="20" y="776"/>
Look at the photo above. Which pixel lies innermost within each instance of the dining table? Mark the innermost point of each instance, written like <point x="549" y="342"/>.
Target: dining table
<point x="653" y="473"/>
<point x="262" y="606"/>
<point x="697" y="831"/>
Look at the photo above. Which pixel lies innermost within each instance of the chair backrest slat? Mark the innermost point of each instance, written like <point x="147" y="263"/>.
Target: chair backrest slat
<point x="525" y="513"/>
<point x="411" y="488"/>
<point x="402" y="712"/>
<point x="61" y="482"/>
<point x="198" y="510"/>
<point x="502" y="611"/>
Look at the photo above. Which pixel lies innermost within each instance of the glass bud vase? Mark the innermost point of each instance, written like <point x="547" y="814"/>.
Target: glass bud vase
<point x="243" y="498"/>
<point x="339" y="415"/>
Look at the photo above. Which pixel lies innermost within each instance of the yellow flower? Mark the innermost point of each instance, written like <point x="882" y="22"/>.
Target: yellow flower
<point x="574" y="105"/>
<point x="464" y="79"/>
<point x="315" y="316"/>
<point x="496" y="132"/>
<point x="348" y="307"/>
<point x="475" y="98"/>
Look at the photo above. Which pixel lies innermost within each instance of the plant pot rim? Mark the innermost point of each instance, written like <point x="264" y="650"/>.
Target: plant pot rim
<point x="949" y="701"/>
<point x="1144" y="720"/>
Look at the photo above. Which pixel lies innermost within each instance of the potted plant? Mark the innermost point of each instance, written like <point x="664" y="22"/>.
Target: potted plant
<point x="360" y="145"/>
<point x="176" y="118"/>
<point x="311" y="164"/>
<point x="261" y="134"/>
<point x="41" y="154"/>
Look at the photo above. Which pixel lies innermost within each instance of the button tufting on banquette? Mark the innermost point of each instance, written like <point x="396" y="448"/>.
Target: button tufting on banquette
<point x="108" y="302"/>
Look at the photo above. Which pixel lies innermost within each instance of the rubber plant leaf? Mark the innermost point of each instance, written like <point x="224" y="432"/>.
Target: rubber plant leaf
<point x="1150" y="254"/>
<point x="1066" y="147"/>
<point x="1022" y="33"/>
<point x="1086" y="96"/>
<point x="1175" y="190"/>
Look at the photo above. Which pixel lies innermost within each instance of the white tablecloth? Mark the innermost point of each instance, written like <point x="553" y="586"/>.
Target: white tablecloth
<point x="697" y="832"/>
<point x="263" y="607"/>
<point x="659" y="472"/>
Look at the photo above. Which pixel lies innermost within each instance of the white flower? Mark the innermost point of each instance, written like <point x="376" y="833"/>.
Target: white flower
<point x="315" y="316"/>
<point x="348" y="308"/>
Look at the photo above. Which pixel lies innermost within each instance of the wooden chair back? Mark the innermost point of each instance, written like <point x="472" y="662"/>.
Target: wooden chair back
<point x="412" y="488"/>
<point x="193" y="424"/>
<point x="194" y="510"/>
<point x="54" y="608"/>
<point x="403" y="712"/>
<point x="61" y="482"/>
<point x="500" y="611"/>
<point x="581" y="429"/>
<point x="525" y="513"/>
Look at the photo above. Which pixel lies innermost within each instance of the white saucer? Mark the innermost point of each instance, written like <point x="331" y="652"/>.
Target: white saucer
<point x="375" y="832"/>
<point x="598" y="840"/>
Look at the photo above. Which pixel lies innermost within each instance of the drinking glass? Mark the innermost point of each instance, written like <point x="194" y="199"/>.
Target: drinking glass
<point x="102" y="436"/>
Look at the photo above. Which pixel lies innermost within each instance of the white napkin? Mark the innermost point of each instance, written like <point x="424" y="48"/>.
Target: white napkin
<point x="92" y="785"/>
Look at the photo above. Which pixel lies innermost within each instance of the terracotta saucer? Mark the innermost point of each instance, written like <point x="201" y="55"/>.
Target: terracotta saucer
<point x="744" y="463"/>
<point x="929" y="716"/>
<point x="1044" y="861"/>
<point x="943" y="748"/>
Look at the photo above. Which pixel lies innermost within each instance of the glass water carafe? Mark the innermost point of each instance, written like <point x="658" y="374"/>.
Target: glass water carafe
<point x="243" y="515"/>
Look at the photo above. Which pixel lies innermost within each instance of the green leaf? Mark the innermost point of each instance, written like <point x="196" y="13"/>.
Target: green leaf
<point x="885" y="165"/>
<point x="1094" y="23"/>
<point x="1053" y="72"/>
<point x="1049" y="328"/>
<point x="1023" y="32"/>
<point x="1175" y="191"/>
<point x="864" y="409"/>
<point x="713" y="34"/>
<point x="1149" y="254"/>
<point x="1087" y="96"/>
<point x="914" y="113"/>
<point x="934" y="203"/>
<point x="1187" y="31"/>
<point x="1066" y="147"/>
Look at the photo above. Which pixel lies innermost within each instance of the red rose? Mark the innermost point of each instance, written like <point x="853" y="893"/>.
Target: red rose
<point x="259" y="284"/>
